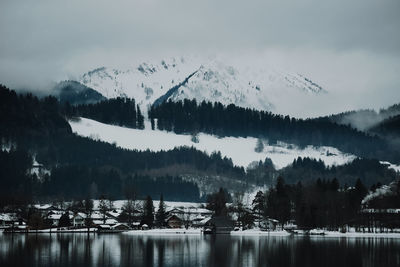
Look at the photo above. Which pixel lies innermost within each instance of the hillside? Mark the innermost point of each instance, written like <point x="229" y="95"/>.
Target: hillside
<point x="240" y="150"/>
<point x="389" y="127"/>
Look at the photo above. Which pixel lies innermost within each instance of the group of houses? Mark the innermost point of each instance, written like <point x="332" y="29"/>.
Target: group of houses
<point x="114" y="219"/>
<point x="188" y="216"/>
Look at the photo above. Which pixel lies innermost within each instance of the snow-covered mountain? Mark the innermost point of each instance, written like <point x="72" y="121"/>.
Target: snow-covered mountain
<point x="208" y="79"/>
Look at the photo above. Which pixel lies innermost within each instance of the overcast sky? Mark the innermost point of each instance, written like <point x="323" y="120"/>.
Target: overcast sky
<point x="349" y="47"/>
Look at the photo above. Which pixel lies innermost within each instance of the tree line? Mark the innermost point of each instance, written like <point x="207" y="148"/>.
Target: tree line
<point x="118" y="111"/>
<point x="321" y="204"/>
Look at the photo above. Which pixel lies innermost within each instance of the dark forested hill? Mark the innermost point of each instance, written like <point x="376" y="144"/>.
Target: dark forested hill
<point x="369" y="171"/>
<point x="389" y="127"/>
<point x="214" y="118"/>
<point x="34" y="127"/>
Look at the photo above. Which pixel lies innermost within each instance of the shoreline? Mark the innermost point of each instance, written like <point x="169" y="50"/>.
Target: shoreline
<point x="197" y="231"/>
<point x="320" y="234"/>
<point x="178" y="231"/>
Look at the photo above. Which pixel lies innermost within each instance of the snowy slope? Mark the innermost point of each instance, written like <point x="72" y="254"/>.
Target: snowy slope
<point x="210" y="79"/>
<point x="240" y="150"/>
<point x="384" y="190"/>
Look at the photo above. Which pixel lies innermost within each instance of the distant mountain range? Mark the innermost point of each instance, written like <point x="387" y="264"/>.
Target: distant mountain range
<point x="262" y="88"/>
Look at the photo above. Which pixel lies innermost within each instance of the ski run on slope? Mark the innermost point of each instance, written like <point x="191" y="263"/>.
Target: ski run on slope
<point x="240" y="150"/>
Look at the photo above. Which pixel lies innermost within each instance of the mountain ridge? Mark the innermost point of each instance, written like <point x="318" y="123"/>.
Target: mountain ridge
<point x="262" y="88"/>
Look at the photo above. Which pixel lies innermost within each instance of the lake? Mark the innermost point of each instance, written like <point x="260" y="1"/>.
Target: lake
<point x="194" y="250"/>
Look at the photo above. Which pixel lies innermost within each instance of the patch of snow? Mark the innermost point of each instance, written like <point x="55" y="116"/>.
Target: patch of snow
<point x="384" y="190"/>
<point x="42" y="207"/>
<point x="392" y="166"/>
<point x="6" y="147"/>
<point x="361" y="235"/>
<point x="239" y="149"/>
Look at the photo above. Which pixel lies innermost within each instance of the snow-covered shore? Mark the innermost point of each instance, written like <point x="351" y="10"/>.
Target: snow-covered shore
<point x="178" y="231"/>
<point x="360" y="234"/>
<point x="328" y="234"/>
<point x="254" y="232"/>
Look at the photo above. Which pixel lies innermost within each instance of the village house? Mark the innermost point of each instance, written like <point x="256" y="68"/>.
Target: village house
<point x="7" y="219"/>
<point x="120" y="227"/>
<point x="174" y="221"/>
<point x="45" y="209"/>
<point x="54" y="218"/>
<point x="78" y="219"/>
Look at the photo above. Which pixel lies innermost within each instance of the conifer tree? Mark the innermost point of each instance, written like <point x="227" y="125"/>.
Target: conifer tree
<point x="64" y="220"/>
<point x="217" y="203"/>
<point x="148" y="212"/>
<point x="88" y="210"/>
<point x="103" y="207"/>
<point x="259" y="203"/>
<point x="140" y="119"/>
<point x="161" y="213"/>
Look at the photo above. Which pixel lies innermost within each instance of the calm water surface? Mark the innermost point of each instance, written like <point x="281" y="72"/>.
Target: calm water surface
<point x="127" y="250"/>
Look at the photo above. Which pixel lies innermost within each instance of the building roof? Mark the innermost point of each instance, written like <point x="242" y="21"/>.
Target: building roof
<point x="8" y="217"/>
<point x="104" y="226"/>
<point x="173" y="216"/>
<point x="120" y="225"/>
<point x="43" y="207"/>
<point x="54" y="216"/>
<point x="108" y="222"/>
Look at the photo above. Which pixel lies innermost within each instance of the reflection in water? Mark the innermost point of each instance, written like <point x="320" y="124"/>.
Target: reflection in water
<point x="128" y="250"/>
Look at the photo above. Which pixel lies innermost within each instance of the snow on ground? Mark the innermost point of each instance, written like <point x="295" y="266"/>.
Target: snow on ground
<point x="177" y="231"/>
<point x="392" y="166"/>
<point x="240" y="150"/>
<point x="360" y="234"/>
<point x="384" y="190"/>
<point x="256" y="232"/>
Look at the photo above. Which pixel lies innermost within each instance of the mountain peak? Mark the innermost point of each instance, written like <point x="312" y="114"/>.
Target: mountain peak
<point x="201" y="79"/>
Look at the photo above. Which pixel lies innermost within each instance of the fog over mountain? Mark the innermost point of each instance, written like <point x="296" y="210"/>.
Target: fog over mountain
<point x="350" y="49"/>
